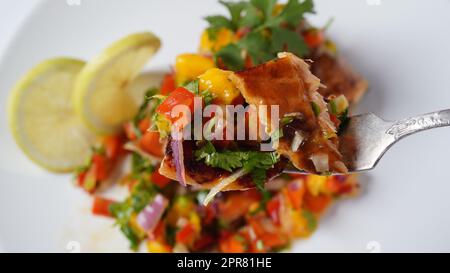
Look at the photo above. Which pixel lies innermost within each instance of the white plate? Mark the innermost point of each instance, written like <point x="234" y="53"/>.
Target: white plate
<point x="402" y="47"/>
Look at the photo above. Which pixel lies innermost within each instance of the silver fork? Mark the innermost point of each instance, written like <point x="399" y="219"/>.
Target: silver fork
<point x="367" y="137"/>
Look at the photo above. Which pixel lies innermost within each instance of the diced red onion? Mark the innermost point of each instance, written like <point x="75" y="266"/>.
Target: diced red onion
<point x="223" y="183"/>
<point x="320" y="162"/>
<point x="297" y="141"/>
<point x="178" y="158"/>
<point x="149" y="217"/>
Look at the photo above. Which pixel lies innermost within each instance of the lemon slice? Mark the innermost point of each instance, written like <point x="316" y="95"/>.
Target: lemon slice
<point x="102" y="97"/>
<point x="42" y="120"/>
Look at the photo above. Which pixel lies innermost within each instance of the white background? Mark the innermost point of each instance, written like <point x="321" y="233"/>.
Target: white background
<point x="13" y="12"/>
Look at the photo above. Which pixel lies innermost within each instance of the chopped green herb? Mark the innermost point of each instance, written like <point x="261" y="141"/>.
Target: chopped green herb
<point x="140" y="165"/>
<point x="208" y="97"/>
<point x="227" y="160"/>
<point x="253" y="162"/>
<point x="315" y="108"/>
<point x="269" y="32"/>
<point x="311" y="219"/>
<point x="192" y="86"/>
<point x="231" y="56"/>
<point x="141" y="195"/>
<point x="286" y="120"/>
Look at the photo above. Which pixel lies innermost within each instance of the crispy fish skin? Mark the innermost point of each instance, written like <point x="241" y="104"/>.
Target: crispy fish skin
<point x="288" y="83"/>
<point x="338" y="76"/>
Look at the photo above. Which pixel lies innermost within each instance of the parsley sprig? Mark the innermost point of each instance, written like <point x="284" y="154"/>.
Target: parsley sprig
<point x="269" y="32"/>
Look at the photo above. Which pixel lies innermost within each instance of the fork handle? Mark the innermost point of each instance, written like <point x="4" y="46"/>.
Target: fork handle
<point x="413" y="125"/>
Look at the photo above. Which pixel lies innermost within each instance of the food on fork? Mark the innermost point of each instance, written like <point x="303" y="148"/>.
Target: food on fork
<point x="307" y="136"/>
<point x="309" y="139"/>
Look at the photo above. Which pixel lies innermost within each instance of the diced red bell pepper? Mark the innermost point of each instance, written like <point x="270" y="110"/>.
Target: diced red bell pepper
<point x="317" y="204"/>
<point x="101" y="206"/>
<point x="185" y="235"/>
<point x="168" y="84"/>
<point x="233" y="244"/>
<point x="179" y="96"/>
<point x="99" y="166"/>
<point x="159" y="179"/>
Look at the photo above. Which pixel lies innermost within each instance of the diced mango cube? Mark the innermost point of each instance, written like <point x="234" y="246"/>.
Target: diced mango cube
<point x="316" y="184"/>
<point x="210" y="44"/>
<point x="189" y="66"/>
<point x="218" y="83"/>
<point x="157" y="247"/>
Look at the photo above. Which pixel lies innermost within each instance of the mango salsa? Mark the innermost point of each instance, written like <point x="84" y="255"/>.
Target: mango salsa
<point x="189" y="66"/>
<point x="210" y="44"/>
<point x="217" y="82"/>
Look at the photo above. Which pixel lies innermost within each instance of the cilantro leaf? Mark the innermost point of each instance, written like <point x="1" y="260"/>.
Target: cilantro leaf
<point x="294" y="12"/>
<point x="141" y="195"/>
<point x="265" y="6"/>
<point x="288" y="40"/>
<point x="311" y="219"/>
<point x="253" y="162"/>
<point x="257" y="47"/>
<point x="251" y="17"/>
<point x="208" y="97"/>
<point x="231" y="56"/>
<point x="216" y="22"/>
<point x="235" y="9"/>
<point x="268" y="32"/>
<point x="226" y="160"/>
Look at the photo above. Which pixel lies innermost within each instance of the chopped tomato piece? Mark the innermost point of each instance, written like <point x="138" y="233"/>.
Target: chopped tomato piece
<point x="337" y="185"/>
<point x="159" y="179"/>
<point x="238" y="204"/>
<point x="179" y="96"/>
<point x="335" y="120"/>
<point x="129" y="131"/>
<point x="150" y="143"/>
<point x="159" y="233"/>
<point x="233" y="244"/>
<point x="272" y="240"/>
<point x="273" y="210"/>
<point x="313" y="38"/>
<point x="295" y="192"/>
<point x="81" y="178"/>
<point x="144" y="125"/>
<point x="99" y="166"/>
<point x="317" y="204"/>
<point x="168" y="84"/>
<point x="203" y="242"/>
<point x="101" y="206"/>
<point x="186" y="234"/>
<point x="113" y="147"/>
